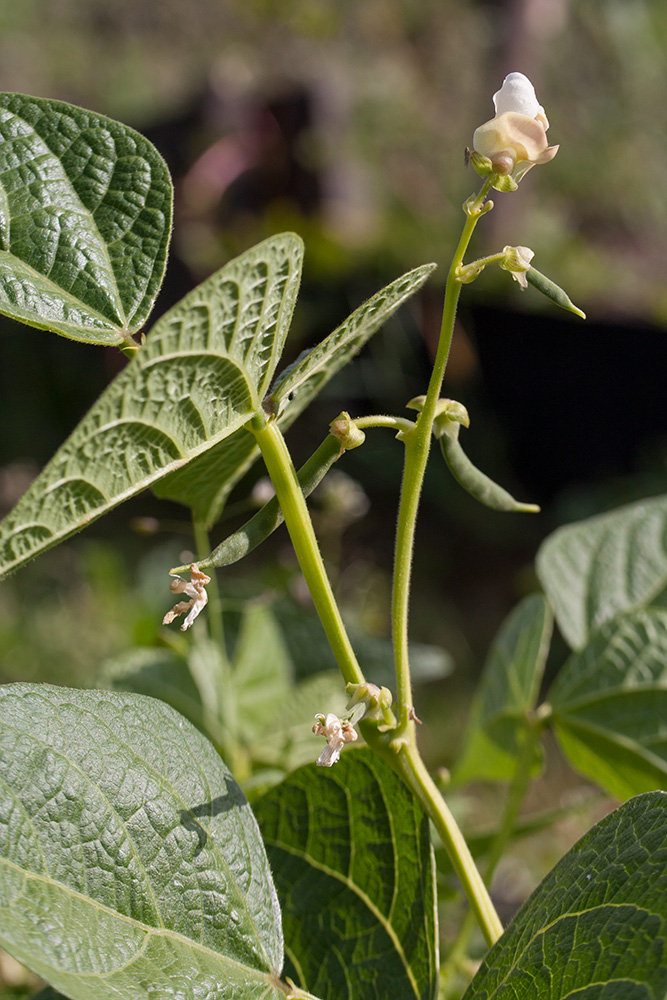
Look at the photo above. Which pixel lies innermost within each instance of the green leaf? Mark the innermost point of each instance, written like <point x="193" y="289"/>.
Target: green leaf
<point x="605" y="564"/>
<point x="85" y="218"/>
<point x="351" y="855"/>
<point x="199" y="377"/>
<point x="156" y="672"/>
<point x="262" y="671"/>
<point x="508" y="690"/>
<point x="596" y="927"/>
<point x="206" y="483"/>
<point x="132" y="864"/>
<point x="610" y="704"/>
<point x="305" y="379"/>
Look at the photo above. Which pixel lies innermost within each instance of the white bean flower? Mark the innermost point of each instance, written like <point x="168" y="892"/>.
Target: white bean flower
<point x="516" y="138"/>
<point x="195" y="589"/>
<point x="337" y="733"/>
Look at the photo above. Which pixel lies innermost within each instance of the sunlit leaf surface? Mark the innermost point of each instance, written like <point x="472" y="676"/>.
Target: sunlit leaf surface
<point x="131" y="863"/>
<point x="85" y="218"/>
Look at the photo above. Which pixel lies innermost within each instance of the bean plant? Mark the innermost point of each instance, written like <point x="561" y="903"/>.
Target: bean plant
<point x="132" y="863"/>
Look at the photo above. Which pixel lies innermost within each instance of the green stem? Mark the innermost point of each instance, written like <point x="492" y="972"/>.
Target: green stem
<point x="381" y="420"/>
<point x="519" y="785"/>
<point x="297" y="518"/>
<point x="415" y="774"/>
<point x="515" y="795"/>
<point x="418" y="444"/>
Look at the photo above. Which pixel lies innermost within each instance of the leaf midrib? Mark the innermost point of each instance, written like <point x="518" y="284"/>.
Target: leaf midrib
<point x="541" y="931"/>
<point x="61" y="293"/>
<point x="98" y="125"/>
<point x="139" y="925"/>
<point x="344" y="880"/>
<point x="566" y="705"/>
<point x="614" y="738"/>
<point x="241" y="899"/>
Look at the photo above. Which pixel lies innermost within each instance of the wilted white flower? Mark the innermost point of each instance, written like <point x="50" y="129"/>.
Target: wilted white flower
<point x="194" y="589"/>
<point x="516" y="138"/>
<point x="337" y="733"/>
<point x="517" y="262"/>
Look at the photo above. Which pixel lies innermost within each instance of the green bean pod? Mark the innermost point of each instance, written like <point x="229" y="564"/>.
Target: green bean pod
<point x="475" y="482"/>
<point x="270" y="516"/>
<point x="552" y="291"/>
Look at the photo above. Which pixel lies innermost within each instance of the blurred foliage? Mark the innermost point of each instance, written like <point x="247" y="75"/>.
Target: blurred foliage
<point x="389" y="93"/>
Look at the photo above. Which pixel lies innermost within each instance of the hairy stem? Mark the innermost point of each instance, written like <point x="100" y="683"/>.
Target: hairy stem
<point x="415" y="774"/>
<point x="297" y="518"/>
<point x="417" y="447"/>
<point x="417" y="442"/>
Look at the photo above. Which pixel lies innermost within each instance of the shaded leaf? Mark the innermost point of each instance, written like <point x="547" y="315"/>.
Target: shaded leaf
<point x="206" y="483"/>
<point x="85" y="218"/>
<point x="507" y="691"/>
<point x="596" y="927"/>
<point x="132" y="864"/>
<point x="605" y="564"/>
<point x="610" y="704"/>
<point x="352" y="859"/>
<point x="262" y="672"/>
<point x="199" y="377"/>
<point x="156" y="672"/>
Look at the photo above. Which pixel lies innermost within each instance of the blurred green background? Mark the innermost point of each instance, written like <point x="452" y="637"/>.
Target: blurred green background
<point x="347" y="120"/>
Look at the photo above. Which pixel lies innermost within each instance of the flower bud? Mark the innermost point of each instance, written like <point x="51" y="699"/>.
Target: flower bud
<point x="347" y="432"/>
<point x="516" y="138"/>
<point x="517" y="262"/>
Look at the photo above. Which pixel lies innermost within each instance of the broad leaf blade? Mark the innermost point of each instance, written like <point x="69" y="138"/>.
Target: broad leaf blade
<point x="596" y="927"/>
<point x="206" y="484"/>
<point x="305" y="379"/>
<point x="610" y="704"/>
<point x="508" y="690"/>
<point x="85" y="218"/>
<point x="609" y="563"/>
<point x="132" y="864"/>
<point x="351" y="855"/>
<point x="199" y="377"/>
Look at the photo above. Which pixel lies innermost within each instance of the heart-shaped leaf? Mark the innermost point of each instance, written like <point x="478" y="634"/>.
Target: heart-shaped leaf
<point x="132" y="865"/>
<point x="610" y="704"/>
<point x="596" y="927"/>
<point x="507" y="692"/>
<point x="353" y="864"/>
<point x="199" y="377"/>
<point x="85" y="218"/>
<point x="609" y="563"/>
<point x="206" y="483"/>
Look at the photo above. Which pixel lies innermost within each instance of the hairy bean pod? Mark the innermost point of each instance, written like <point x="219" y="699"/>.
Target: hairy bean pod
<point x="475" y="482"/>
<point x="552" y="291"/>
<point x="270" y="516"/>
